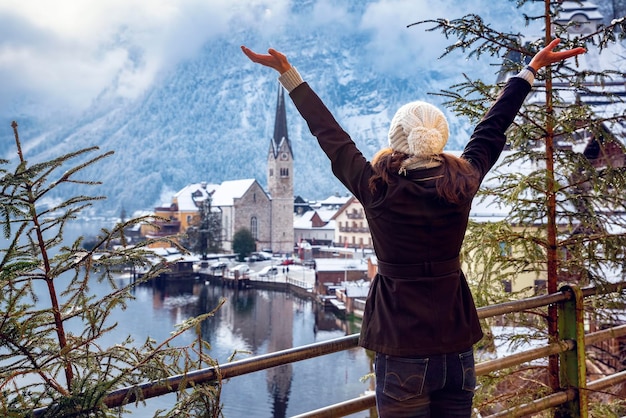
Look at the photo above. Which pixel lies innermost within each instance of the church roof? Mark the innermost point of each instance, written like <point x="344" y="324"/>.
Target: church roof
<point x="230" y="190"/>
<point x="222" y="194"/>
<point x="280" y="125"/>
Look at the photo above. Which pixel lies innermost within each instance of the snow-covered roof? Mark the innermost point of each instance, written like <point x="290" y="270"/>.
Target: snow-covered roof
<point x="230" y="190"/>
<point x="357" y="289"/>
<point x="334" y="201"/>
<point x="222" y="194"/>
<point x="570" y="8"/>
<point x="303" y="221"/>
<point x="609" y="59"/>
<point x="173" y="254"/>
<point x="506" y="345"/>
<point x="340" y="264"/>
<point x="191" y="194"/>
<point x="326" y="214"/>
<point x="486" y="208"/>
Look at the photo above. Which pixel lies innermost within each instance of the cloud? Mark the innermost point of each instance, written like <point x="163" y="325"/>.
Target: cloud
<point x="64" y="53"/>
<point x="396" y="46"/>
<point x="71" y="51"/>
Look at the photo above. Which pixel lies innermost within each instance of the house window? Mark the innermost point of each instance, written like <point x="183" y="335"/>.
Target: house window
<point x="253" y="228"/>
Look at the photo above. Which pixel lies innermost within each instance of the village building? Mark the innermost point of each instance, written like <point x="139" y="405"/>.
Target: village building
<point x="243" y="204"/>
<point x="315" y="226"/>
<point x="239" y="204"/>
<point x="351" y="228"/>
<point x="580" y="17"/>
<point x="269" y="216"/>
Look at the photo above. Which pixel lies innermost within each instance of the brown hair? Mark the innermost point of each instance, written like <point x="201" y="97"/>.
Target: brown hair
<point x="458" y="183"/>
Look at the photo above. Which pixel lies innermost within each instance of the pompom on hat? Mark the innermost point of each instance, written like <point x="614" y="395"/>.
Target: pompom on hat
<point x="418" y="129"/>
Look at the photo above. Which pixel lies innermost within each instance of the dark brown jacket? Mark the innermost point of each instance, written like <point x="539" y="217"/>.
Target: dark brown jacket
<point x="419" y="303"/>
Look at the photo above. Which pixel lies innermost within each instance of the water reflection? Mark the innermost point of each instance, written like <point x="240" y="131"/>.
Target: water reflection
<point x="253" y="322"/>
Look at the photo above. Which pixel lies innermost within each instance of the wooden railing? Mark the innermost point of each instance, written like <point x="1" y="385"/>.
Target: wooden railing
<point x="571" y="397"/>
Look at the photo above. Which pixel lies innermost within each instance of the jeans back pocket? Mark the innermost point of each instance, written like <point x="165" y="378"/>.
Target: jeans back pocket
<point x="404" y="377"/>
<point x="469" y="370"/>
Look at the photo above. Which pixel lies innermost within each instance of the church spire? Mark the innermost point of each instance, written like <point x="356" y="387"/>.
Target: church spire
<point x="280" y="124"/>
<point x="280" y="182"/>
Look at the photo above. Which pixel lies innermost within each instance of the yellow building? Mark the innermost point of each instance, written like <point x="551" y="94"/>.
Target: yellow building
<point x="239" y="203"/>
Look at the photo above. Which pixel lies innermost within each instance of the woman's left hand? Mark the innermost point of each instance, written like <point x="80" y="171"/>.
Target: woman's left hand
<point x="272" y="59"/>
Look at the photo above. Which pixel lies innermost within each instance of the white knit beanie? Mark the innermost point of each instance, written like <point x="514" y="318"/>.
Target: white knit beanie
<point x="418" y="128"/>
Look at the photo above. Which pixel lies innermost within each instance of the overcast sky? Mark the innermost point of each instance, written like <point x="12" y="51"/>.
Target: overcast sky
<point x="63" y="53"/>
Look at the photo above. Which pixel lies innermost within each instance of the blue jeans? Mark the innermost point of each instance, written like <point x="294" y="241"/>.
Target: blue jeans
<point x="438" y="386"/>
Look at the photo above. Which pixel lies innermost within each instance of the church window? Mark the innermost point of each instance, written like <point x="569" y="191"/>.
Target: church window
<point x="284" y="172"/>
<point x="271" y="172"/>
<point x="253" y="228"/>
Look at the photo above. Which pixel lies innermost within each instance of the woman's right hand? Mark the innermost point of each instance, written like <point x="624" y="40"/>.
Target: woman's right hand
<point x="272" y="59"/>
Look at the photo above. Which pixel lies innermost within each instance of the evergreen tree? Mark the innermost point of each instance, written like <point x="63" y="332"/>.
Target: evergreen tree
<point x="243" y="243"/>
<point x="204" y="236"/>
<point x="564" y="220"/>
<point x="47" y="370"/>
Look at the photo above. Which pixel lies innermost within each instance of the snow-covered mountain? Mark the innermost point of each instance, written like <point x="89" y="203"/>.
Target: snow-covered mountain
<point x="211" y="117"/>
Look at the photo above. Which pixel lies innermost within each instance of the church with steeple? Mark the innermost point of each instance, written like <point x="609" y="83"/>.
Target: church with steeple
<point x="243" y="204"/>
<point x="280" y="182"/>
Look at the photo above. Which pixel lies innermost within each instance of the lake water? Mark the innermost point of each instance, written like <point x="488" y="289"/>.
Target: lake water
<point x="254" y="321"/>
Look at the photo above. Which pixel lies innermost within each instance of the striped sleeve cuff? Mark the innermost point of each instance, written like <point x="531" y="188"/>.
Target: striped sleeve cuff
<point x="290" y="79"/>
<point x="527" y="74"/>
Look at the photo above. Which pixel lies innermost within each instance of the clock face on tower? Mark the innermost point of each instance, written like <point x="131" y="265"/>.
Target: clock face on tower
<point x="284" y="156"/>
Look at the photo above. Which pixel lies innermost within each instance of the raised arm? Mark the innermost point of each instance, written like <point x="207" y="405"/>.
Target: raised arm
<point x="489" y="137"/>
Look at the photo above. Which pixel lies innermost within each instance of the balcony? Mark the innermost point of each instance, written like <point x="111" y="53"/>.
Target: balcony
<point x="357" y="215"/>
<point x="354" y="229"/>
